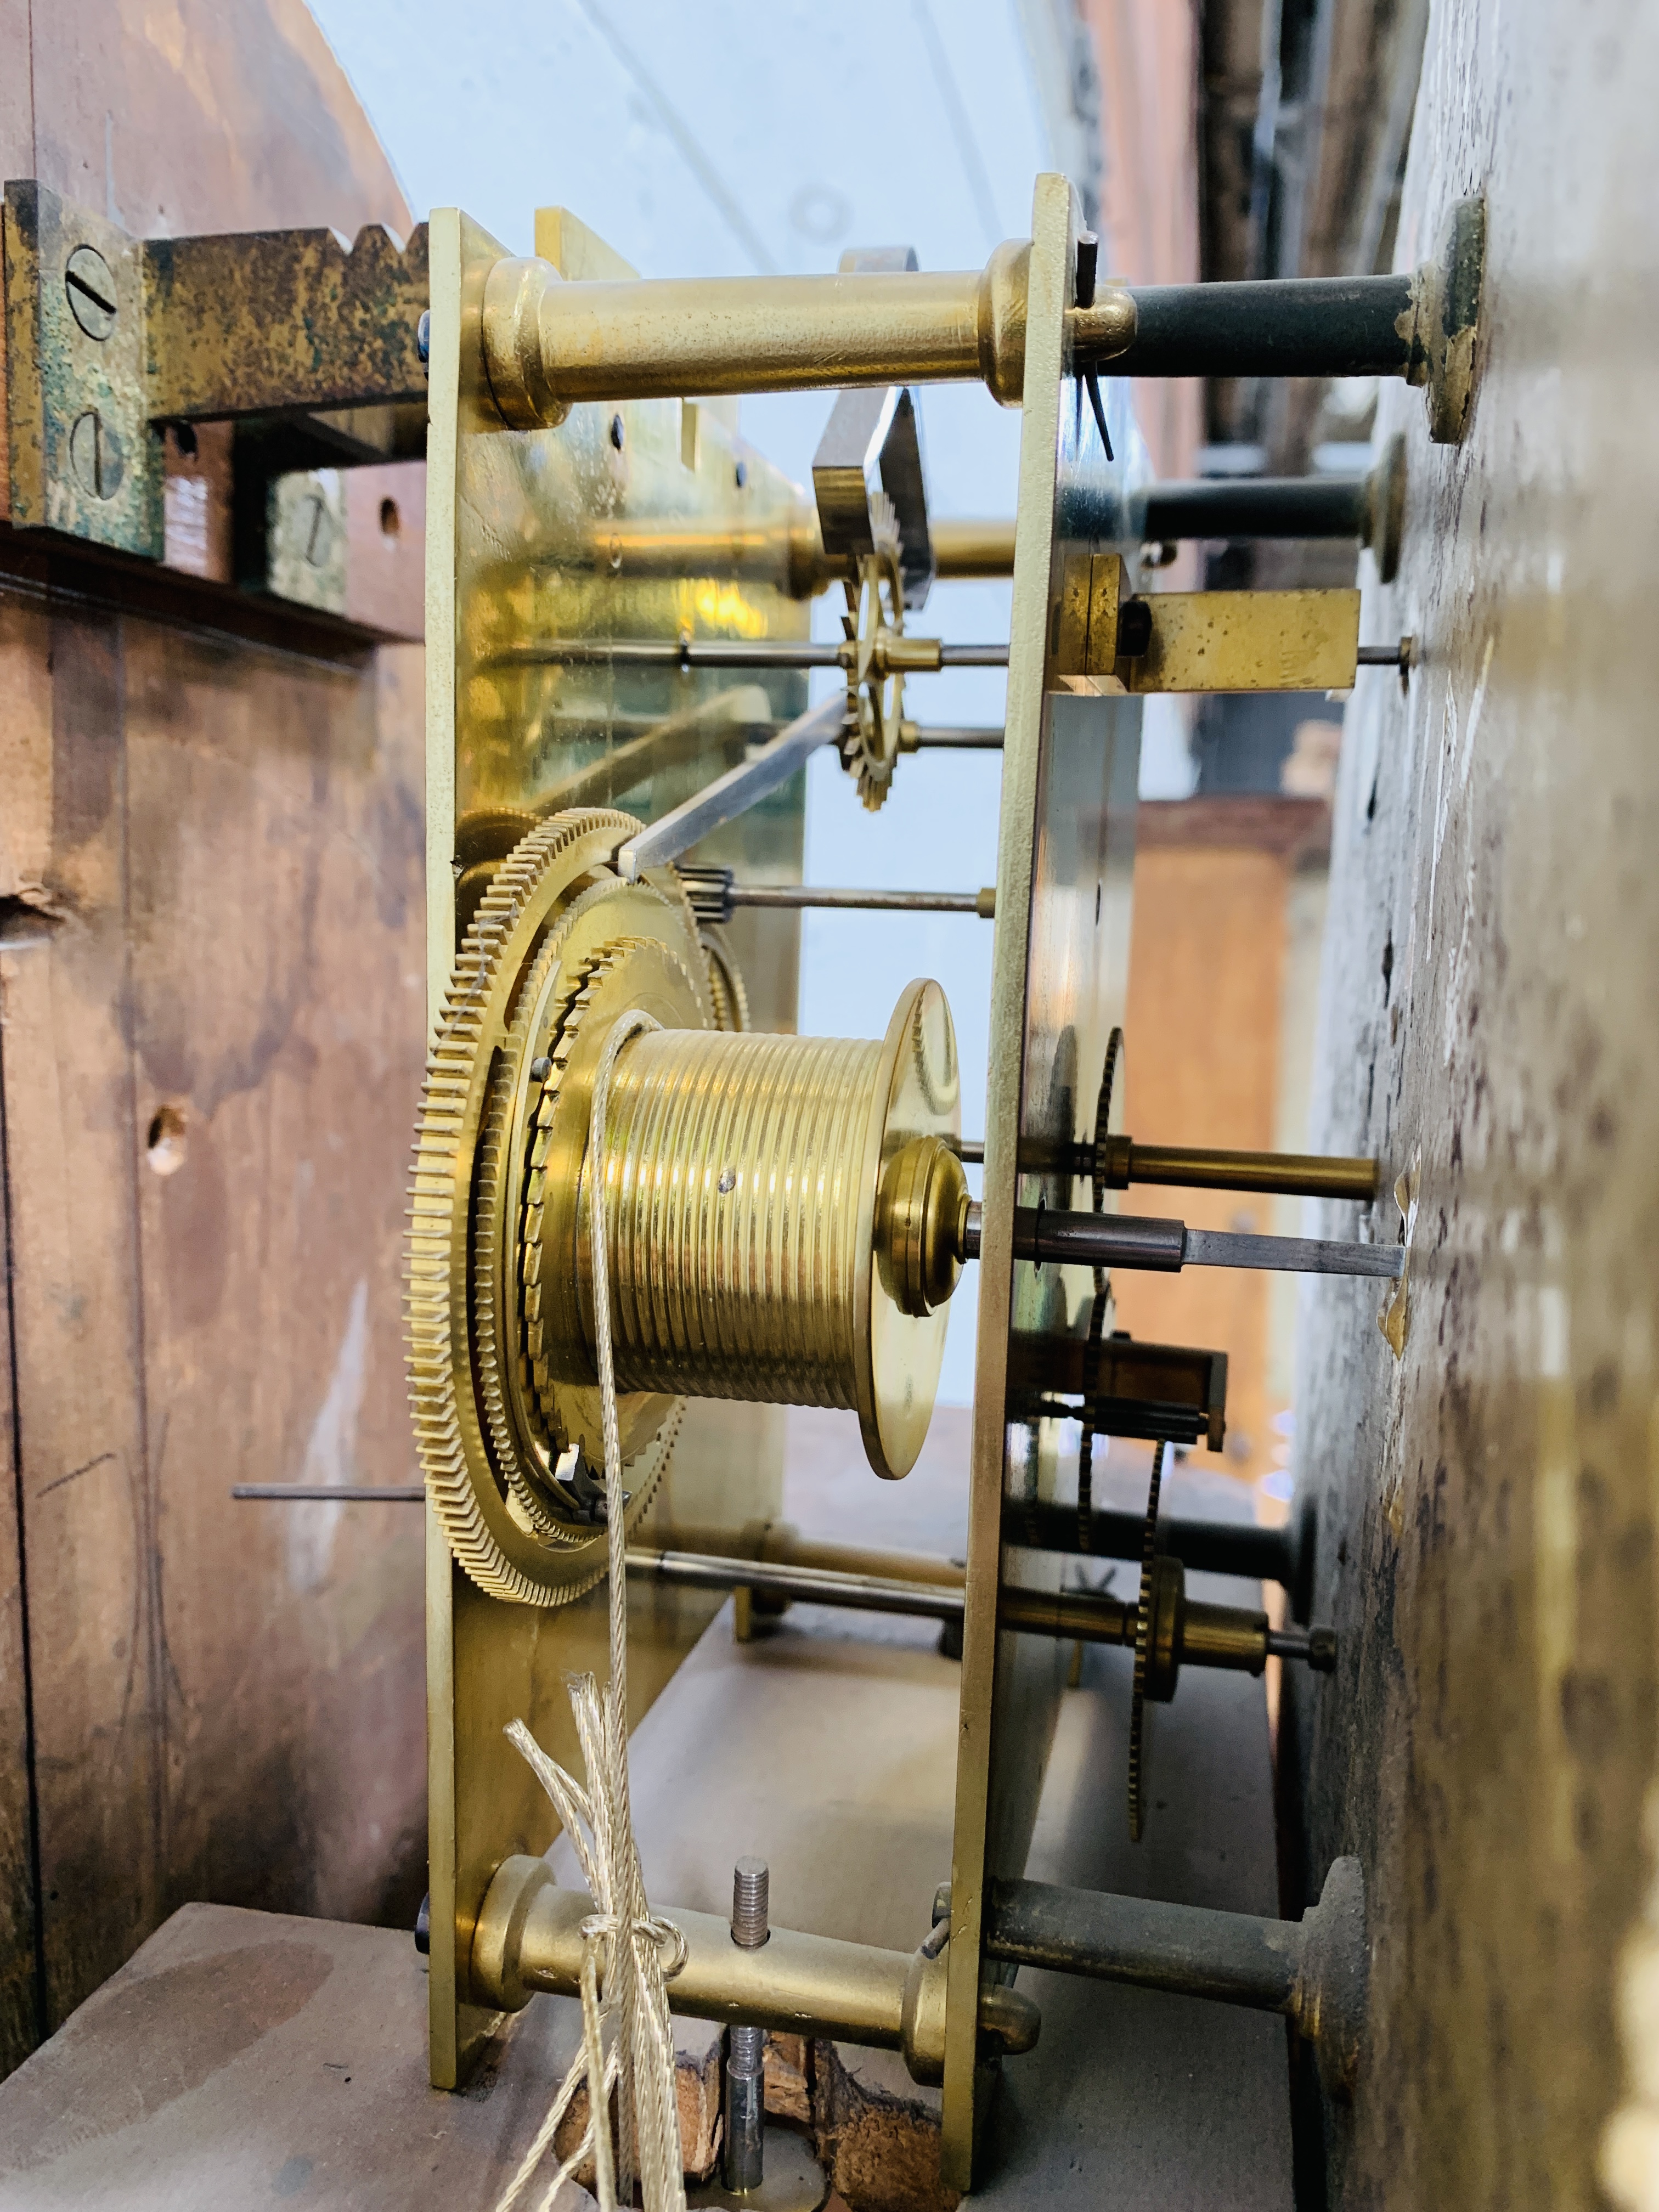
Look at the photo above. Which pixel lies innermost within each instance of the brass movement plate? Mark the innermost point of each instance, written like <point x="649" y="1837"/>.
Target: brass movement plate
<point x="532" y="535"/>
<point x="1070" y="772"/>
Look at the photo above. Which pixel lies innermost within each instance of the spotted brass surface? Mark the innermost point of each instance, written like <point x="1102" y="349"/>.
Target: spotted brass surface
<point x="1248" y="642"/>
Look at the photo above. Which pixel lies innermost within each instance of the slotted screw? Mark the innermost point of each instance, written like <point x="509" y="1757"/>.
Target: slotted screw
<point x="91" y="287"/>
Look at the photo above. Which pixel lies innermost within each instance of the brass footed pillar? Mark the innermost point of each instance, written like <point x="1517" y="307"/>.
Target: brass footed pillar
<point x="549" y="344"/>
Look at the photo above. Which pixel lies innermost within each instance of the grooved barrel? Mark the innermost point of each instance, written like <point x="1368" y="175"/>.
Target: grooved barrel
<point x="740" y="1177"/>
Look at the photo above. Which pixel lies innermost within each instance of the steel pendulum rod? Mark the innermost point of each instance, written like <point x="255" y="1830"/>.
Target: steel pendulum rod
<point x="1133" y="1241"/>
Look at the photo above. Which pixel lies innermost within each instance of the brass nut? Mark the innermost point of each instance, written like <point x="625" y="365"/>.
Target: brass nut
<point x="1002" y="290"/>
<point x="515" y="361"/>
<point x="919" y="1222"/>
<point x="1169" y="1609"/>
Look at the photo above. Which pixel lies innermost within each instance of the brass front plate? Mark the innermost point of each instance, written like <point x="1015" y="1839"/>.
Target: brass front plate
<point x="1248" y="641"/>
<point x="1070" y="772"/>
<point x="533" y="535"/>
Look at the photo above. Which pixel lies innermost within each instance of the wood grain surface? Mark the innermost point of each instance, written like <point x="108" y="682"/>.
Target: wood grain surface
<point x="212" y="1000"/>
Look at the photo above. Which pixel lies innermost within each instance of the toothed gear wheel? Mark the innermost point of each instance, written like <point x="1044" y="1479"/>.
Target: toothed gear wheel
<point x="1109" y="1102"/>
<point x="1138" y="1718"/>
<point x="551" y="910"/>
<point x="725" y="979"/>
<point x="875" y="700"/>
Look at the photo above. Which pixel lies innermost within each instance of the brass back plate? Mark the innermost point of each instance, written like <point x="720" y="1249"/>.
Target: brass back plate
<point x="1070" y="770"/>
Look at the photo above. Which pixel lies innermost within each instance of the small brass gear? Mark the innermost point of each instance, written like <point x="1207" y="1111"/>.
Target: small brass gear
<point x="550" y="907"/>
<point x="875" y="694"/>
<point x="1138" y="1747"/>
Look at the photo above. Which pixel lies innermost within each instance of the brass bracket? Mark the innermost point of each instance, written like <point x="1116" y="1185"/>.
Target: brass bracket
<point x="83" y="459"/>
<point x="1193" y="641"/>
<point x="312" y="347"/>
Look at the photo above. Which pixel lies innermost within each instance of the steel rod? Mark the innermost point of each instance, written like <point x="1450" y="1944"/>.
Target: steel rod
<point x="1216" y="1548"/>
<point x="982" y="903"/>
<point x="809" y="1585"/>
<point x="1221" y="1547"/>
<point x="322" y="1493"/>
<point x="1385" y="656"/>
<point x="1295" y="1255"/>
<point x="1232" y="1957"/>
<point x="1313" y="1970"/>
<point x="963" y="739"/>
<point x="1290" y="1175"/>
<point x="1141" y="1240"/>
<point x="669" y="653"/>
<point x="1258" y="507"/>
<point x="732" y="793"/>
<point x="715" y="652"/>
<point x="1285" y="326"/>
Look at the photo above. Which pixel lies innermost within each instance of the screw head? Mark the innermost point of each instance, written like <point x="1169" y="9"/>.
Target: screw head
<point x="319" y="528"/>
<point x="96" y="461"/>
<point x="90" y="286"/>
<point x="423" y="335"/>
<point x="618" y="431"/>
<point x="741" y="473"/>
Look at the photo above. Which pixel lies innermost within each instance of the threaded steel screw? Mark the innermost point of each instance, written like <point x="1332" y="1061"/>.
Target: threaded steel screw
<point x="751" y="1882"/>
<point x="746" y="2064"/>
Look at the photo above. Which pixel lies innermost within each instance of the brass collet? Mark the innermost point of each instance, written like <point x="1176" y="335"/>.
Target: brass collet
<point x="528" y="1937"/>
<point x="920" y="1213"/>
<point x="548" y="344"/>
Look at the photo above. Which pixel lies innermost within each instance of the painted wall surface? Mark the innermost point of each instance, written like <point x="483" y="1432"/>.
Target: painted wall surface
<point x="1489" y="994"/>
